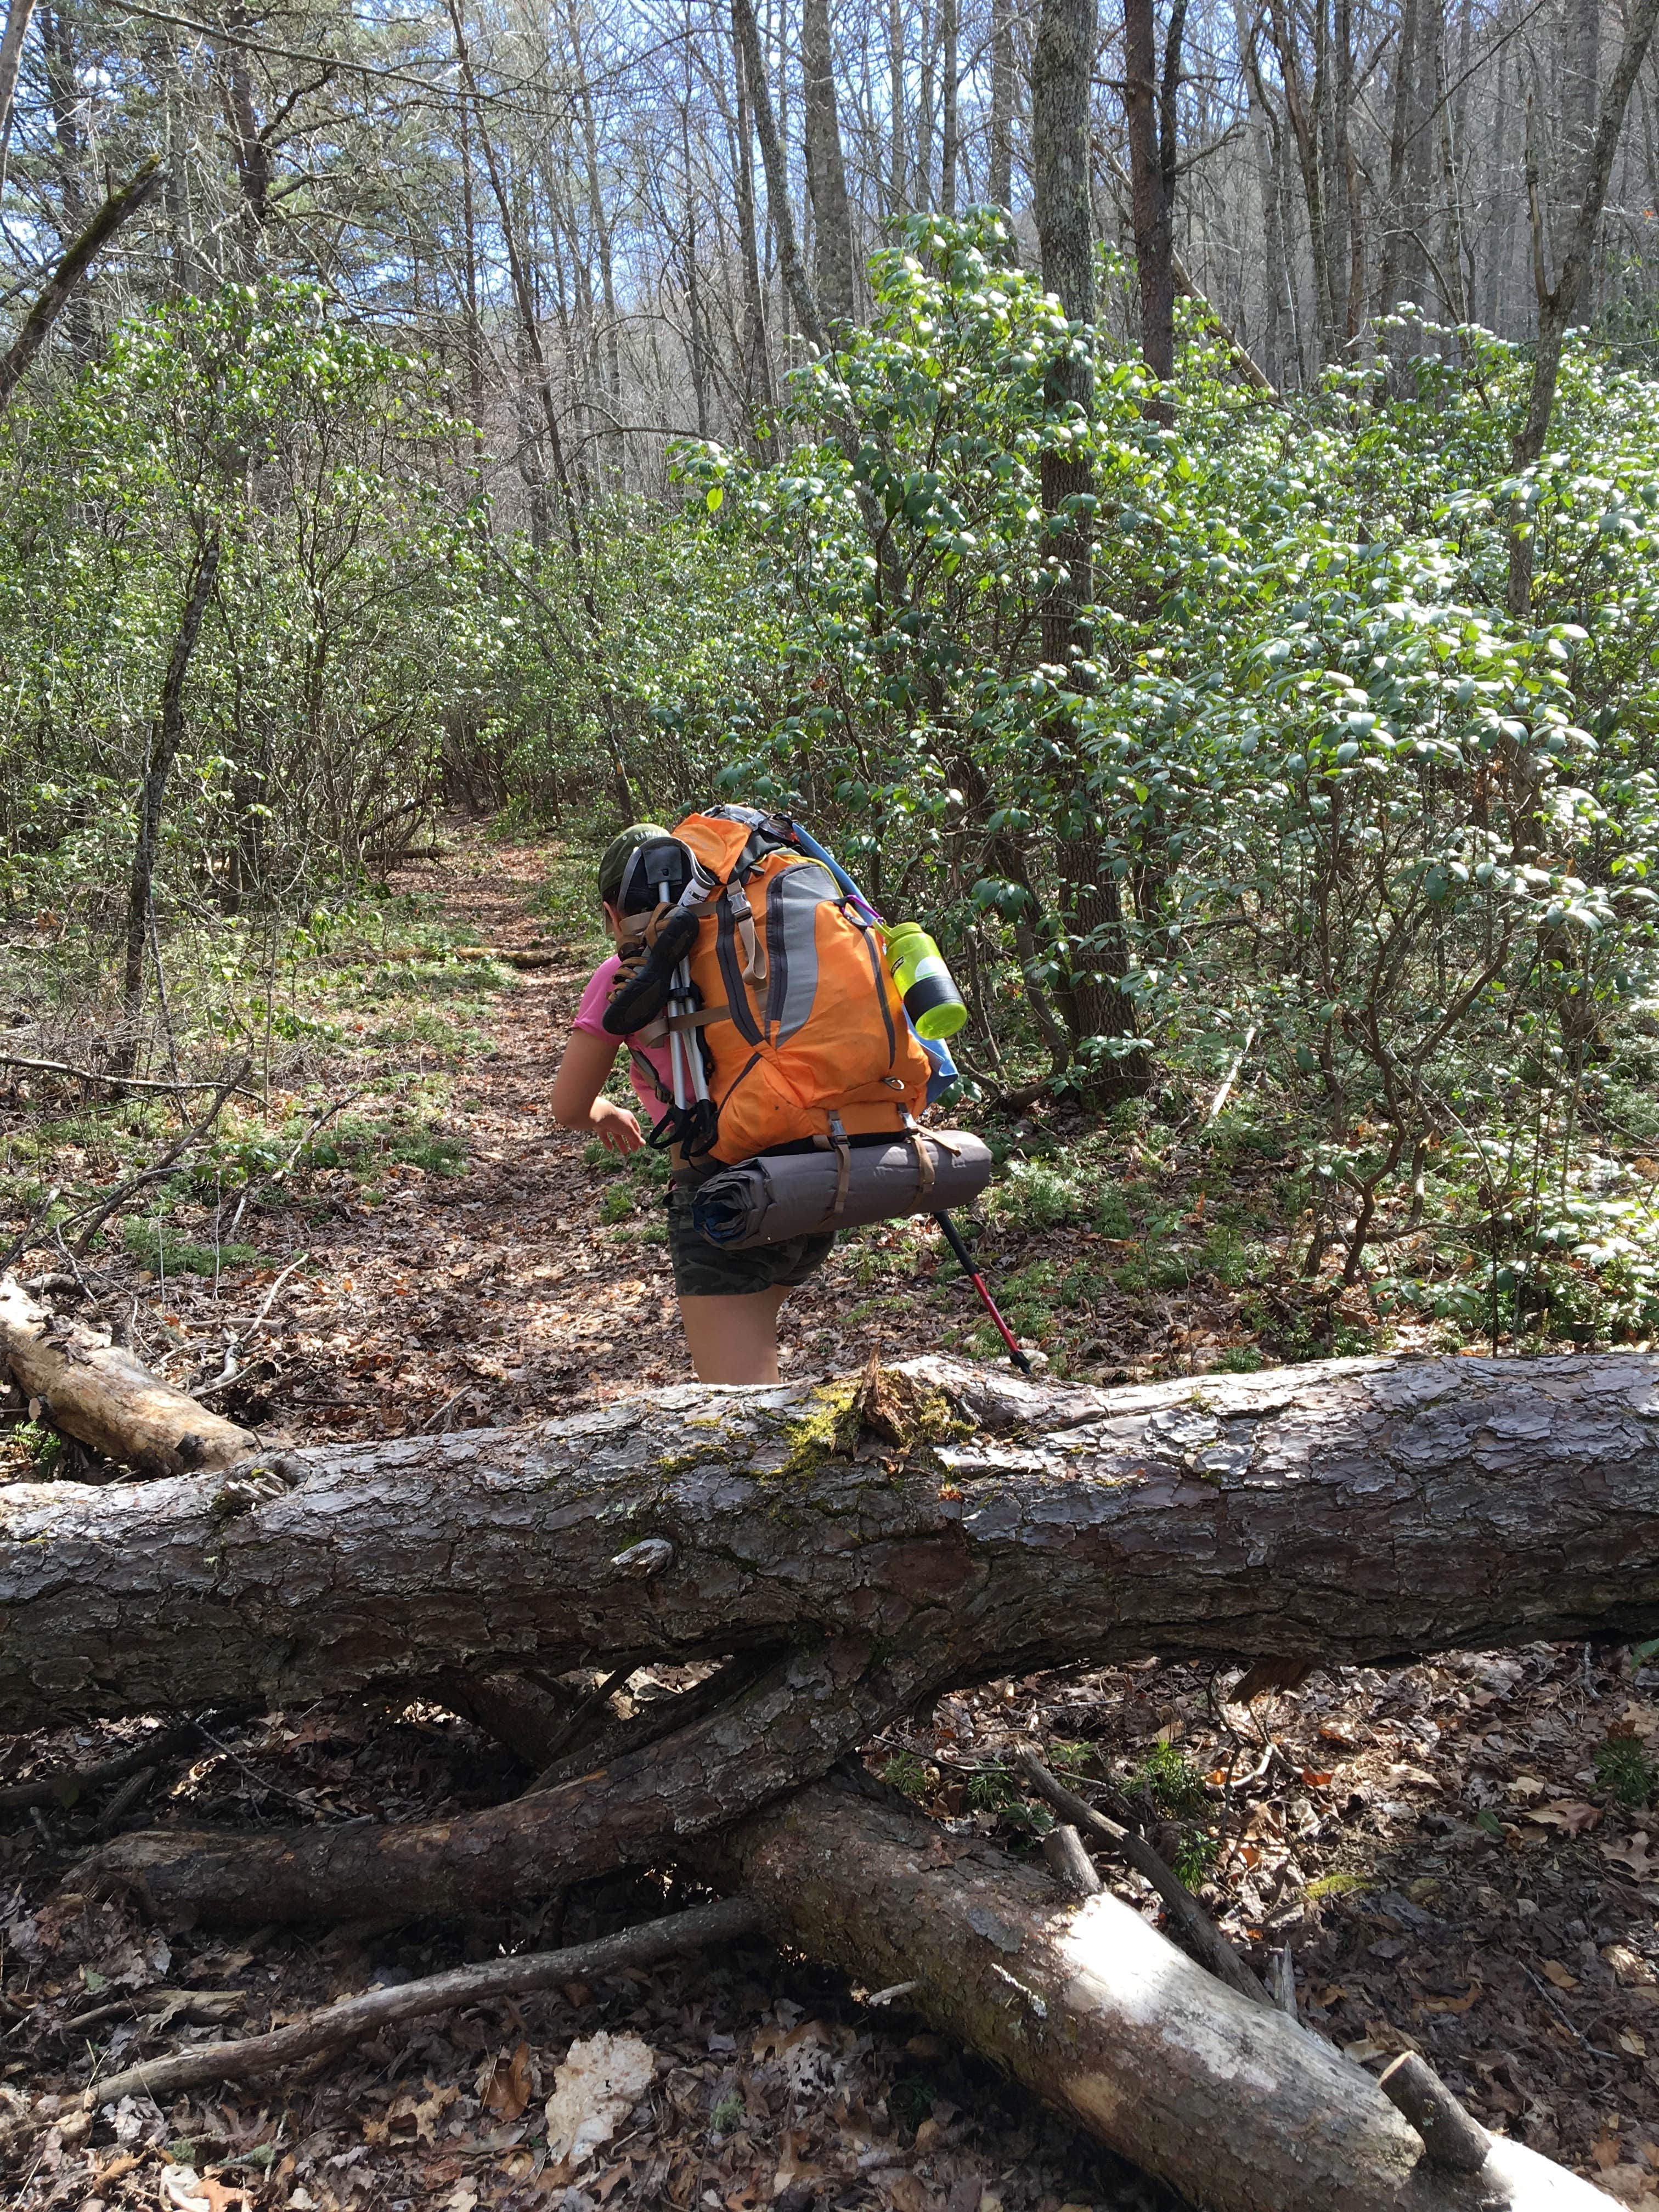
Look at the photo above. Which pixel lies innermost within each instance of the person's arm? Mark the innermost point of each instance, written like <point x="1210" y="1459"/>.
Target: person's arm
<point x="576" y="1104"/>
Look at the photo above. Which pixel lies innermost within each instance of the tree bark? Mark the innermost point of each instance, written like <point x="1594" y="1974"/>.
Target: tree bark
<point x="1231" y="2103"/>
<point x="797" y="284"/>
<point x="1558" y="303"/>
<point x="1149" y="103"/>
<point x="65" y="278"/>
<point x="1000" y="185"/>
<point x="168" y="736"/>
<point x="756" y="350"/>
<point x="789" y="1727"/>
<point x="1097" y="956"/>
<point x="18" y="16"/>
<point x="826" y="172"/>
<point x="101" y="1394"/>
<point x="949" y="147"/>
<point x="1352" y="1511"/>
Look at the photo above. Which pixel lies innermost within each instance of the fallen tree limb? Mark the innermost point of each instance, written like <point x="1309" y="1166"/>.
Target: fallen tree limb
<point x="1202" y="1937"/>
<point x="1229" y="2102"/>
<point x="71" y="1784"/>
<point x="791" y="1726"/>
<point x="1357" y="1511"/>
<point x="336" y="2026"/>
<point x="109" y="1081"/>
<point x="98" y="1394"/>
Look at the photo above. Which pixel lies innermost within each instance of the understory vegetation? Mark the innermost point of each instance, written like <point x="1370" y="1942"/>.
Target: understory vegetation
<point x="1306" y="917"/>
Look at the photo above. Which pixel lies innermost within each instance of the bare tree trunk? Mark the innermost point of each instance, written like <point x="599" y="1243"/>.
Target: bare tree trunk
<point x="757" y="350"/>
<point x="1149" y="103"/>
<point x="18" y="17"/>
<point x="474" y="340"/>
<point x="898" y="199"/>
<point x="248" y="144"/>
<point x="98" y="1394"/>
<point x="1104" y="2019"/>
<point x="1000" y="186"/>
<point x="612" y="443"/>
<point x="1305" y="129"/>
<point x="167" y="737"/>
<point x="1351" y="1511"/>
<point x="67" y="97"/>
<point x="1062" y="70"/>
<point x="950" y="150"/>
<point x="797" y="283"/>
<point x="1264" y="133"/>
<point x="1558" y="303"/>
<point x="826" y="174"/>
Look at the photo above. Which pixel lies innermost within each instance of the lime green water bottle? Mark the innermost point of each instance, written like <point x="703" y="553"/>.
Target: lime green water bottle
<point x="933" y="1001"/>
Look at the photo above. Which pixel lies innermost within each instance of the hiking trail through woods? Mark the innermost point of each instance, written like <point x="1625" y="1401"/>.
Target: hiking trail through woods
<point x="537" y="1281"/>
<point x="1463" y="1854"/>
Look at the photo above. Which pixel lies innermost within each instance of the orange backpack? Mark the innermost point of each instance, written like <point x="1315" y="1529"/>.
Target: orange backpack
<point x="804" y="1031"/>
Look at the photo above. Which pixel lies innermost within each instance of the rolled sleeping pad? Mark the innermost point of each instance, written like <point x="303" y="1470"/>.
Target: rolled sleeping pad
<point x="783" y="1194"/>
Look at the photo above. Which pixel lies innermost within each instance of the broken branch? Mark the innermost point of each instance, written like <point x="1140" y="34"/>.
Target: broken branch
<point x="1204" y="1939"/>
<point x="351" y="2019"/>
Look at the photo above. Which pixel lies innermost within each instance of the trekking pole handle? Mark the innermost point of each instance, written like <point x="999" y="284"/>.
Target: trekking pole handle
<point x="954" y="1239"/>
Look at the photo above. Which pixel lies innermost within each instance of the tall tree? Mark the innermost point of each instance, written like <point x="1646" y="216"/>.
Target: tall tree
<point x="1096" y="961"/>
<point x="826" y="174"/>
<point x="950" y="149"/>
<point x="1150" y="99"/>
<point x="18" y="16"/>
<point x="1000" y="181"/>
<point x="1559" y="302"/>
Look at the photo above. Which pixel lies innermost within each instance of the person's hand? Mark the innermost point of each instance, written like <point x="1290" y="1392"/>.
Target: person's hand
<point x="615" y="1127"/>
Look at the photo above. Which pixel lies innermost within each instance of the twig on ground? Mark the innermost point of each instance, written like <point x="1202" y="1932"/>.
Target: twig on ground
<point x="1548" y="1995"/>
<point x="69" y="1786"/>
<point x="1208" y="1945"/>
<point x="176" y="1088"/>
<point x="1069" y="1862"/>
<point x="353" y="2018"/>
<point x="25" y="1242"/>
<point x="238" y="1345"/>
<point x="119" y="1195"/>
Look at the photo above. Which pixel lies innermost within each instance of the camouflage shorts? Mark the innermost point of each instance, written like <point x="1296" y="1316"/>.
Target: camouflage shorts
<point x="703" y="1270"/>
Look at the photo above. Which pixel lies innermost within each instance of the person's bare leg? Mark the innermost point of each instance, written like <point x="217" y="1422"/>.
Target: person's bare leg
<point x="733" y="1340"/>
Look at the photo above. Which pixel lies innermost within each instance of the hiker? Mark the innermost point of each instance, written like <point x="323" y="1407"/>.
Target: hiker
<point x="729" y="1301"/>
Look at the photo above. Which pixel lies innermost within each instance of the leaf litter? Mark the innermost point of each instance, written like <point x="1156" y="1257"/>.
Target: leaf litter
<point x="1436" y="1845"/>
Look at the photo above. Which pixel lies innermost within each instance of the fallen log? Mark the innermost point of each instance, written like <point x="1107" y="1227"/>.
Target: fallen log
<point x="1231" y="2103"/>
<point x="795" y="1722"/>
<point x="101" y="1394"/>
<point x="1358" y="1510"/>
<point x="334" y="2027"/>
<point x="881" y="1543"/>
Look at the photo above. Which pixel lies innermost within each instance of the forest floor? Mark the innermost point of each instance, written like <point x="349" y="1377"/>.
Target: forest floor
<point x="1457" y="1853"/>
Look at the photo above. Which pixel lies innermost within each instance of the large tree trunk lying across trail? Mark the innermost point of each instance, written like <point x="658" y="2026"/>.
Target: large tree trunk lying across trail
<point x="1233" y="2104"/>
<point x="878" y="1540"/>
<point x="102" y="1396"/>
<point x="968" y="1524"/>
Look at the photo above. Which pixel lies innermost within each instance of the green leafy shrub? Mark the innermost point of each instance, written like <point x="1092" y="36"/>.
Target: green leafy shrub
<point x="1623" y="1766"/>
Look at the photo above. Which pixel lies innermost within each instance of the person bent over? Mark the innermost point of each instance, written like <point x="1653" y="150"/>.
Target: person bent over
<point x="729" y="1301"/>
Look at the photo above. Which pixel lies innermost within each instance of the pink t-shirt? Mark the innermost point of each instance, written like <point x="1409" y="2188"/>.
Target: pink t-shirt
<point x="590" y="1016"/>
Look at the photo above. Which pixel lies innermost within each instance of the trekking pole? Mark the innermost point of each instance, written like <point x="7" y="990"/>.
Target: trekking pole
<point x="953" y="1238"/>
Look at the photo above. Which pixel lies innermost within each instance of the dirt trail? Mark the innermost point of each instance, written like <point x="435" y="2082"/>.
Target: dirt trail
<point x="536" y="1282"/>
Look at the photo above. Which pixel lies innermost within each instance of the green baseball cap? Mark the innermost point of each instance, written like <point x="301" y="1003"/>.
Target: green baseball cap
<point x="615" y="856"/>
